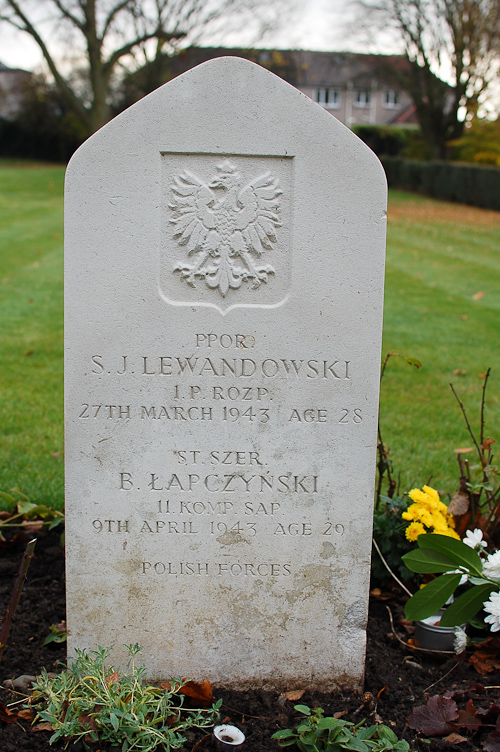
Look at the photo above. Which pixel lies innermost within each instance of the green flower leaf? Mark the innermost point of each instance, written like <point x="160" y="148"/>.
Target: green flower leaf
<point x="432" y="597"/>
<point x="466" y="605"/>
<point x="462" y="555"/>
<point x="283" y="734"/>
<point x="329" y="722"/>
<point x="427" y="561"/>
<point x="303" y="709"/>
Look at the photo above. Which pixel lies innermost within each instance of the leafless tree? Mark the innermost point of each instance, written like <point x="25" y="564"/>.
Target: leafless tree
<point x="102" y="36"/>
<point x="452" y="48"/>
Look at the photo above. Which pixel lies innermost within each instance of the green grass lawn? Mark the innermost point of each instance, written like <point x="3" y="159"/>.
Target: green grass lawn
<point x="31" y="334"/>
<point x="442" y="307"/>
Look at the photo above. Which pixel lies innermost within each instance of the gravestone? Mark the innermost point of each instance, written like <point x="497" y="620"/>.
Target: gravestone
<point x="224" y="282"/>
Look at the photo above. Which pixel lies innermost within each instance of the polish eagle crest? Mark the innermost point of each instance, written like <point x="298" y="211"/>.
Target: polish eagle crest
<point x="225" y="227"/>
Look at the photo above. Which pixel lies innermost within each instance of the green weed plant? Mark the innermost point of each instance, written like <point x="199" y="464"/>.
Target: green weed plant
<point x="93" y="702"/>
<point x="318" y="733"/>
<point x="22" y="513"/>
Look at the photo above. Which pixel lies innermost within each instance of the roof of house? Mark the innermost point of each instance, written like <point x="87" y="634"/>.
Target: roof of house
<point x="5" y="68"/>
<point x="299" y="67"/>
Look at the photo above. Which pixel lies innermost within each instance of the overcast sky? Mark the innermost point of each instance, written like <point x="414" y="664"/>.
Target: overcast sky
<point x="319" y="25"/>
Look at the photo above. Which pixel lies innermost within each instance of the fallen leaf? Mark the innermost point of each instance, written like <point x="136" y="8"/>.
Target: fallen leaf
<point x="112" y="678"/>
<point x="486" y="657"/>
<point x="464" y="451"/>
<point x="340" y="713"/>
<point x="469" y="718"/>
<point x="42" y="727"/>
<point x="26" y="715"/>
<point x="6" y="715"/>
<point x="492" y="742"/>
<point x="381" y="596"/>
<point x="32" y="526"/>
<point x="29" y="352"/>
<point x="464" y="317"/>
<point x="87" y="721"/>
<point x="56" y="455"/>
<point x="202" y="693"/>
<point x="459" y="372"/>
<point x="294" y="695"/>
<point x="436" y="718"/>
<point x="454" y="738"/>
<point x="478" y="295"/>
<point x="459" y="504"/>
<point x="491" y="713"/>
<point x="481" y="375"/>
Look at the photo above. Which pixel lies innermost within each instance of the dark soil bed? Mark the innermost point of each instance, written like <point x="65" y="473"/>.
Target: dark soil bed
<point x="397" y="678"/>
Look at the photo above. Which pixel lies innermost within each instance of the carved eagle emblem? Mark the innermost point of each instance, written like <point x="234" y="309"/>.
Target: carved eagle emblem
<point x="225" y="226"/>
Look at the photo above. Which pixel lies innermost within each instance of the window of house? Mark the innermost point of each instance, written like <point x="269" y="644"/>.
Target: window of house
<point x="328" y="98"/>
<point x="362" y="98"/>
<point x="391" y="98"/>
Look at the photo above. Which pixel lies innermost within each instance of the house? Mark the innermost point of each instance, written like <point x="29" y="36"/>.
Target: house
<point x="357" y="89"/>
<point x="12" y="85"/>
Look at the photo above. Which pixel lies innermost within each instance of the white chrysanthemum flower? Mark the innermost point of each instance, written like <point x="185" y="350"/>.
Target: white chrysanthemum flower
<point x="491" y="567"/>
<point x="493" y="608"/>
<point x="474" y="539"/>
<point x="460" y="641"/>
<point x="464" y="578"/>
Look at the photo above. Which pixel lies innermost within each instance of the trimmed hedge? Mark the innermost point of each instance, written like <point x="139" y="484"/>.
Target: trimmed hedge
<point x="449" y="181"/>
<point x="26" y="140"/>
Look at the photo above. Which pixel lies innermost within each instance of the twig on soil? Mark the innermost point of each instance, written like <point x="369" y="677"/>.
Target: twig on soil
<point x="16" y="594"/>
<point x="257" y="717"/>
<point x="441" y="679"/>
<point x="386" y="565"/>
<point x="414" y="647"/>
<point x="201" y="742"/>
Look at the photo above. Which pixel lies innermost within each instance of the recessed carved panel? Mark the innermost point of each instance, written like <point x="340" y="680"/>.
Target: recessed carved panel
<point x="226" y="230"/>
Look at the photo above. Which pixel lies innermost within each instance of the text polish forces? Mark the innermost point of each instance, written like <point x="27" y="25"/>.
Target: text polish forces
<point x="234" y="569"/>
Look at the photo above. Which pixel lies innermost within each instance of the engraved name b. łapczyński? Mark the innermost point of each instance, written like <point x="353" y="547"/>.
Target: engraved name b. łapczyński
<point x="225" y="226"/>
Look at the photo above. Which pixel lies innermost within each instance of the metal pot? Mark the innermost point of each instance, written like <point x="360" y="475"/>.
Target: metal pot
<point x="432" y="636"/>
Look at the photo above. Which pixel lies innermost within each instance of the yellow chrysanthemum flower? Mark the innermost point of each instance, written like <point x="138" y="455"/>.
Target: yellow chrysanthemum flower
<point x="418" y="496"/>
<point x="432" y="493"/>
<point x="446" y="531"/>
<point x="429" y="511"/>
<point x="414" y="530"/>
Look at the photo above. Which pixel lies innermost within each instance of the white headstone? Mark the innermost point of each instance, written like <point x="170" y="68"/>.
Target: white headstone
<point x="225" y="245"/>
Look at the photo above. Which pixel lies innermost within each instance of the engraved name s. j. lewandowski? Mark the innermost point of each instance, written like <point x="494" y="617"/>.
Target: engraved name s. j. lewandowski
<point x="225" y="226"/>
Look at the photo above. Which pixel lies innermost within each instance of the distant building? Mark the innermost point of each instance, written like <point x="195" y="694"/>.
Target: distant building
<point x="356" y="88"/>
<point x="12" y="85"/>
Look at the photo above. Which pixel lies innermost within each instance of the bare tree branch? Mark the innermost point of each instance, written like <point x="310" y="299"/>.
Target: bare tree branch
<point x="109" y="31"/>
<point x="452" y="49"/>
